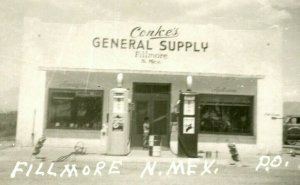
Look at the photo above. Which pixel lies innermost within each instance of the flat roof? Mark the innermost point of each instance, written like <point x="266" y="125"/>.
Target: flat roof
<point x="64" y="69"/>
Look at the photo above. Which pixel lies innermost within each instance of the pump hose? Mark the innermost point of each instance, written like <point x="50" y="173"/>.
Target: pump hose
<point x="171" y="140"/>
<point x="181" y="144"/>
<point x="128" y="145"/>
<point x="79" y="149"/>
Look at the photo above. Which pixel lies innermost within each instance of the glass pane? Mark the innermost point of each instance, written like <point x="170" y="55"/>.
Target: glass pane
<point x="60" y="112"/>
<point x="88" y="112"/>
<point x="75" y="109"/>
<point x="141" y="113"/>
<point x="225" y="119"/>
<point x="209" y="99"/>
<point x="142" y="88"/>
<point x="162" y="89"/>
<point x="160" y="117"/>
<point x="152" y="88"/>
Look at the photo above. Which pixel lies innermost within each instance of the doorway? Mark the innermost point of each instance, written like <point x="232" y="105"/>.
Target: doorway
<point x="151" y="100"/>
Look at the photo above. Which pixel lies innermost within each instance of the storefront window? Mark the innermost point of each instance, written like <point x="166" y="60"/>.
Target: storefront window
<point x="225" y="114"/>
<point x="75" y="109"/>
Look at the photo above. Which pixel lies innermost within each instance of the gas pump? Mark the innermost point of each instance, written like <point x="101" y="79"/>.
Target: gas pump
<point x="118" y="142"/>
<point x="188" y="123"/>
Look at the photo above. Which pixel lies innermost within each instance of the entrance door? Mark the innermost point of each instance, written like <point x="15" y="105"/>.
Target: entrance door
<point x="152" y="101"/>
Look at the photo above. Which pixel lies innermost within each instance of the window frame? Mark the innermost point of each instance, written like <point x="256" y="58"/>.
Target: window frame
<point x="220" y="96"/>
<point x="98" y="93"/>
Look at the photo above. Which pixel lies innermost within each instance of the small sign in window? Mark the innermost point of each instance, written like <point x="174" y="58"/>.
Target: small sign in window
<point x="188" y="125"/>
<point x="189" y="105"/>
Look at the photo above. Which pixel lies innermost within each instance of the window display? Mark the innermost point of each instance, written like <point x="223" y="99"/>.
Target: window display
<point x="225" y="114"/>
<point x="75" y="109"/>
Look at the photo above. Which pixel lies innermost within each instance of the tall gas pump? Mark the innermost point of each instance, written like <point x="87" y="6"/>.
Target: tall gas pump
<point x="118" y="142"/>
<point x="188" y="123"/>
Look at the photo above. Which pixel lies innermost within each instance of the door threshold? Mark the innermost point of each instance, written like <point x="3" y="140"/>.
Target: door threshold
<point x="163" y="148"/>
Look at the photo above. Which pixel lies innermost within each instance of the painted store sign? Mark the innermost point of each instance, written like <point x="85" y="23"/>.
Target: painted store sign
<point x="145" y="40"/>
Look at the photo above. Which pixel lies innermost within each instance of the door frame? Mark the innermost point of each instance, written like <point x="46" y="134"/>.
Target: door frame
<point x="150" y="97"/>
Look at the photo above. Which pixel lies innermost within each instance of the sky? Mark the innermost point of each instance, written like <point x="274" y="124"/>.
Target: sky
<point x="230" y="14"/>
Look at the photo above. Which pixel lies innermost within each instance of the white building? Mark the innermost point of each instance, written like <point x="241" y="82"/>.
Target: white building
<point x="68" y="70"/>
